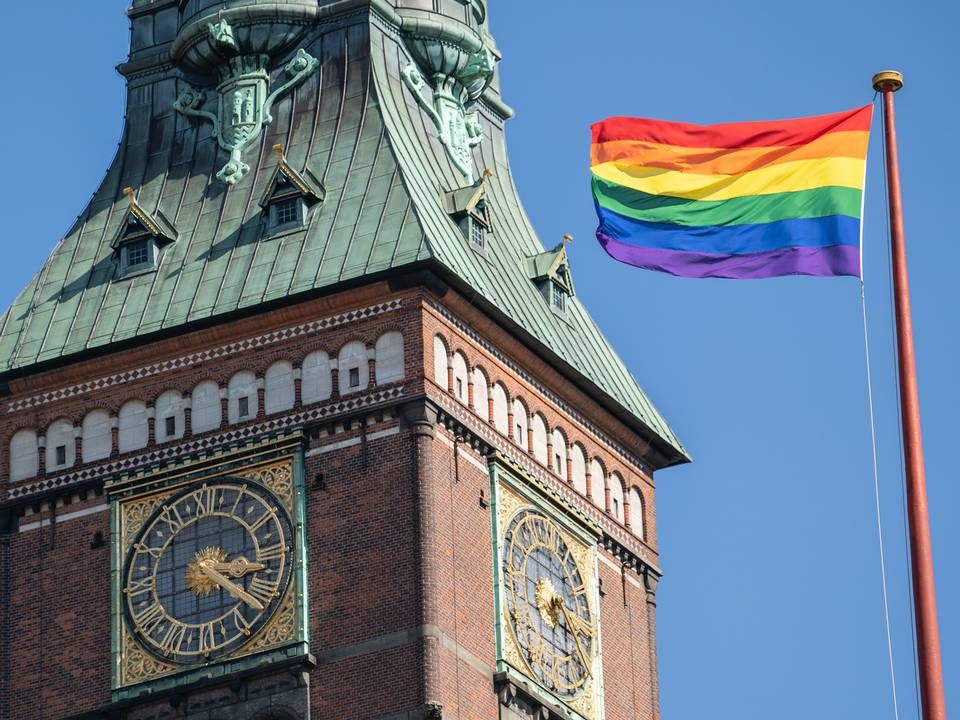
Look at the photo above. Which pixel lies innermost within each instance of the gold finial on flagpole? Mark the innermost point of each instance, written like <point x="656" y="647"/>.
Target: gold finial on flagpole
<point x="888" y="79"/>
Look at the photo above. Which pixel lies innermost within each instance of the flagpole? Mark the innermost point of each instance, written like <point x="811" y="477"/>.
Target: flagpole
<point x="921" y="552"/>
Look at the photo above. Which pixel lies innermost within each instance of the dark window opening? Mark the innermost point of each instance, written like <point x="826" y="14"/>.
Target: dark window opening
<point x="558" y="297"/>
<point x="170" y="426"/>
<point x="354" y="377"/>
<point x="136" y="255"/>
<point x="61" y="453"/>
<point x="616" y="506"/>
<point x="557" y="460"/>
<point x="476" y="234"/>
<point x="459" y="387"/>
<point x="243" y="406"/>
<point x="288" y="211"/>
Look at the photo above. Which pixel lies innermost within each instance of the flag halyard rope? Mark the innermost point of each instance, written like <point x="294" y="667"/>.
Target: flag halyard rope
<point x="876" y="497"/>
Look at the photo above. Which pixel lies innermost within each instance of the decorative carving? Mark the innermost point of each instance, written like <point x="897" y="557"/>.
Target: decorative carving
<point x="279" y="479"/>
<point x="282" y="629"/>
<point x="135" y="514"/>
<point x="458" y="128"/>
<point x="243" y="107"/>
<point x="221" y="33"/>
<point x="138" y="665"/>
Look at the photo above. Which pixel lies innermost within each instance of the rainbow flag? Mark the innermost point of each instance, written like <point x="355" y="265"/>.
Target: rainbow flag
<point x="740" y="200"/>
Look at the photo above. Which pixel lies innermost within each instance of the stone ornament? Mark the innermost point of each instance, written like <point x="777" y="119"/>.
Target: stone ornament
<point x="457" y="129"/>
<point x="244" y="99"/>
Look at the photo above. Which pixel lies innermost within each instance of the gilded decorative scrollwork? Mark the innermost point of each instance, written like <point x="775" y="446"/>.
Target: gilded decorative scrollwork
<point x="137" y="665"/>
<point x="135" y="514"/>
<point x="283" y="628"/>
<point x="279" y="478"/>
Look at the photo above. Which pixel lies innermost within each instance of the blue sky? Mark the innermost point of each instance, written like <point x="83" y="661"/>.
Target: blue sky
<point x="771" y="601"/>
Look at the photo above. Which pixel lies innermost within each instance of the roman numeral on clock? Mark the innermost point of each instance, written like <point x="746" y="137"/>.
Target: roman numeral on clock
<point x="207" y="642"/>
<point x="173" y="638"/>
<point x="263" y="590"/>
<point x="171" y="517"/>
<point x="138" y="587"/>
<point x="149" y="619"/>
<point x="205" y="498"/>
<point x="273" y="552"/>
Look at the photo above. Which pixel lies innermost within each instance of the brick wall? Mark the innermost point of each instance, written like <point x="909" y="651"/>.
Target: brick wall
<point x="399" y="548"/>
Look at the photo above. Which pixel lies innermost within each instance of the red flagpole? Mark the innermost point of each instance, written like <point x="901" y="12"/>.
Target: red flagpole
<point x="921" y="552"/>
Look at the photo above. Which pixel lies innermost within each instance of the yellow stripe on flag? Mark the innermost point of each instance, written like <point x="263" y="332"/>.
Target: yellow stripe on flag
<point x="778" y="178"/>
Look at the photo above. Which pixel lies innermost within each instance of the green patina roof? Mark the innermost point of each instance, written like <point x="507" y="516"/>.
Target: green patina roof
<point x="355" y="130"/>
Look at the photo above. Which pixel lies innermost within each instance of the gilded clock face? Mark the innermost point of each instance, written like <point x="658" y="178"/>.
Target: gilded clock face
<point x="207" y="571"/>
<point x="547" y="604"/>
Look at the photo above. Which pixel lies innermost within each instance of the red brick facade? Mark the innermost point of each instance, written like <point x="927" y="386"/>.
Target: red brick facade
<point x="398" y="532"/>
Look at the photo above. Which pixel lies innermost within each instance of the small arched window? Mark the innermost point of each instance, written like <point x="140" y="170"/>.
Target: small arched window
<point x="389" y="358"/>
<point x="579" y="463"/>
<point x="440" y="359"/>
<point x="97" y="436"/>
<point x="637" y="524"/>
<point x="597" y="481"/>
<point x="168" y="411"/>
<point x="559" y="459"/>
<point x="461" y="380"/>
<point x="61" y="446"/>
<point x="539" y="427"/>
<point x="24" y="458"/>
<point x="278" y="390"/>
<point x="616" y="496"/>
<point x="481" y="395"/>
<point x="501" y="414"/>
<point x="132" y="426"/>
<point x="520" y="423"/>
<point x="316" y="383"/>
<point x="242" y="397"/>
<point x="354" y="371"/>
<point x="205" y="411"/>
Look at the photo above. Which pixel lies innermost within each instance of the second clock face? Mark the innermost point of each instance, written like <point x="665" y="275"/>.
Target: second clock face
<point x="547" y="604"/>
<point x="207" y="571"/>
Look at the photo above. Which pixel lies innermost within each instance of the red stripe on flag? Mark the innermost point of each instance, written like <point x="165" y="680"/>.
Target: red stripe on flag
<point x="731" y="135"/>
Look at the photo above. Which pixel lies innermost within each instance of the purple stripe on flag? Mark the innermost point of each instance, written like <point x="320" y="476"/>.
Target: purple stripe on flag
<point x="817" y="261"/>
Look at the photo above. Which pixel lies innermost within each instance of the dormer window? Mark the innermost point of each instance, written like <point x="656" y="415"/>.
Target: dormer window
<point x="468" y="207"/>
<point x="141" y="238"/>
<point x="550" y="272"/>
<point x="289" y="197"/>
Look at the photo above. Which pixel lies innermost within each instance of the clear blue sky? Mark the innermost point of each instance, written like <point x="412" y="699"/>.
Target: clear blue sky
<point x="771" y="602"/>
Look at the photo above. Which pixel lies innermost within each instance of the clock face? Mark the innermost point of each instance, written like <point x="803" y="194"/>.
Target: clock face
<point x="207" y="571"/>
<point x="547" y="604"/>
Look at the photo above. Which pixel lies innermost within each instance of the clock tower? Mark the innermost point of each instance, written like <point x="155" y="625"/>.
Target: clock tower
<point x="301" y="419"/>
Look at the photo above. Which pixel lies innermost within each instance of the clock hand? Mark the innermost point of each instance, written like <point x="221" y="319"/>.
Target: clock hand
<point x="230" y="587"/>
<point x="573" y="631"/>
<point x="238" y="567"/>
